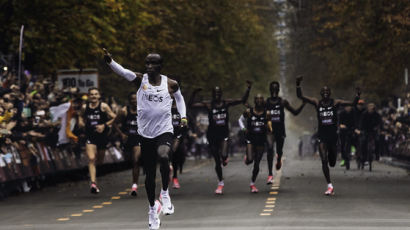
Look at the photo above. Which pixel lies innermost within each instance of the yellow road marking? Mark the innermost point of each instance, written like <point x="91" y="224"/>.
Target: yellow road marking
<point x="77" y="214"/>
<point x="118" y="197"/>
<point x="270" y="202"/>
<point x="63" y="219"/>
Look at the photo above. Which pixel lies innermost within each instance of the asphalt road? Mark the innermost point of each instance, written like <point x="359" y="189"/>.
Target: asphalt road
<point x="363" y="200"/>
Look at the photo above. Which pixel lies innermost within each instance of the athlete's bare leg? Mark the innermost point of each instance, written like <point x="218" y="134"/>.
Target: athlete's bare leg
<point x="91" y="151"/>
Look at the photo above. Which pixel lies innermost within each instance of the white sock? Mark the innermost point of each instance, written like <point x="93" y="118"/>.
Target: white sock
<point x="330" y="185"/>
<point x="164" y="192"/>
<point x="221" y="183"/>
<point x="252" y="183"/>
<point x="134" y="185"/>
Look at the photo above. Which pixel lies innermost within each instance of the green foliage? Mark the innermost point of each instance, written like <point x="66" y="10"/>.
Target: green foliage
<point x="204" y="43"/>
<point x="364" y="43"/>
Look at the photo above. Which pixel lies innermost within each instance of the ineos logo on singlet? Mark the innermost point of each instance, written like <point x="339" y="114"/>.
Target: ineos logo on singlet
<point x="133" y="126"/>
<point x="176" y="120"/>
<point x="132" y="122"/>
<point x="153" y="98"/>
<point x="275" y="113"/>
<point x="257" y="124"/>
<point x="94" y="116"/>
<point x="219" y="116"/>
<point x="93" y="119"/>
<point x="326" y="115"/>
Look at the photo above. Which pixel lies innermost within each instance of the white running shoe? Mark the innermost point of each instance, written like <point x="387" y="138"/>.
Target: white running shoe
<point x="167" y="207"/>
<point x="153" y="216"/>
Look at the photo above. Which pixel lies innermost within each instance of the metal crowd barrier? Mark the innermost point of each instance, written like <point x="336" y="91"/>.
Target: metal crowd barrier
<point x="19" y="161"/>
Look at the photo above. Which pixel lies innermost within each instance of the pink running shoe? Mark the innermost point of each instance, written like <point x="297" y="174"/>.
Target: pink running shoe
<point x="330" y="191"/>
<point x="219" y="190"/>
<point x="175" y="183"/>
<point x="94" y="188"/>
<point x="254" y="189"/>
<point x="270" y="180"/>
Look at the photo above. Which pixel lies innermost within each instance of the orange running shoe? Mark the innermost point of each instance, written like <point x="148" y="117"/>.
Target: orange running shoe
<point x="219" y="190"/>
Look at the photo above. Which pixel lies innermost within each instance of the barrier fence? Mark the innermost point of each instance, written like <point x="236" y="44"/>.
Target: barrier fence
<point x="20" y="161"/>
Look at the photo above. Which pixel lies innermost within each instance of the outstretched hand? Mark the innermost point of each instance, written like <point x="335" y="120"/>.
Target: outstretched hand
<point x="299" y="79"/>
<point x="107" y="56"/>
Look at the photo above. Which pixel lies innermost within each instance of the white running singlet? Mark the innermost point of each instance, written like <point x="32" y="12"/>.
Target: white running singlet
<point x="154" y="108"/>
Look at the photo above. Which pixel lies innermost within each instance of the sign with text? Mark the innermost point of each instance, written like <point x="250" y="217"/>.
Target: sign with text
<point x="83" y="80"/>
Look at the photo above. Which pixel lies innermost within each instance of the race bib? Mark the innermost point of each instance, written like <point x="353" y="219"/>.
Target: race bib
<point x="220" y="122"/>
<point x="327" y="121"/>
<point x="133" y="131"/>
<point x="257" y="129"/>
<point x="275" y="119"/>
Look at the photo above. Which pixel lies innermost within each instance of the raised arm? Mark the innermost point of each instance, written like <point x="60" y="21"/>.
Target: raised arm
<point x="202" y="104"/>
<point x="339" y="102"/>
<point x="293" y="110"/>
<point x="118" y="69"/>
<point x="243" y="99"/>
<point x="311" y="100"/>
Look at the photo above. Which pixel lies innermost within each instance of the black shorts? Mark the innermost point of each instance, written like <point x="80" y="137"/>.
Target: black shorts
<point x="132" y="141"/>
<point x="330" y="139"/>
<point x="149" y="147"/>
<point x="217" y="134"/>
<point x="256" y="139"/>
<point x="98" y="139"/>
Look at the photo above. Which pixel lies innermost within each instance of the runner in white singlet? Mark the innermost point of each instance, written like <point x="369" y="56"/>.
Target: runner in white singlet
<point x="154" y="126"/>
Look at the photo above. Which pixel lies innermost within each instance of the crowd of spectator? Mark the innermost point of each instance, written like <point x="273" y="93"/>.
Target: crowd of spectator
<point x="375" y="131"/>
<point x="29" y="115"/>
<point x="33" y="133"/>
<point x="395" y="128"/>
